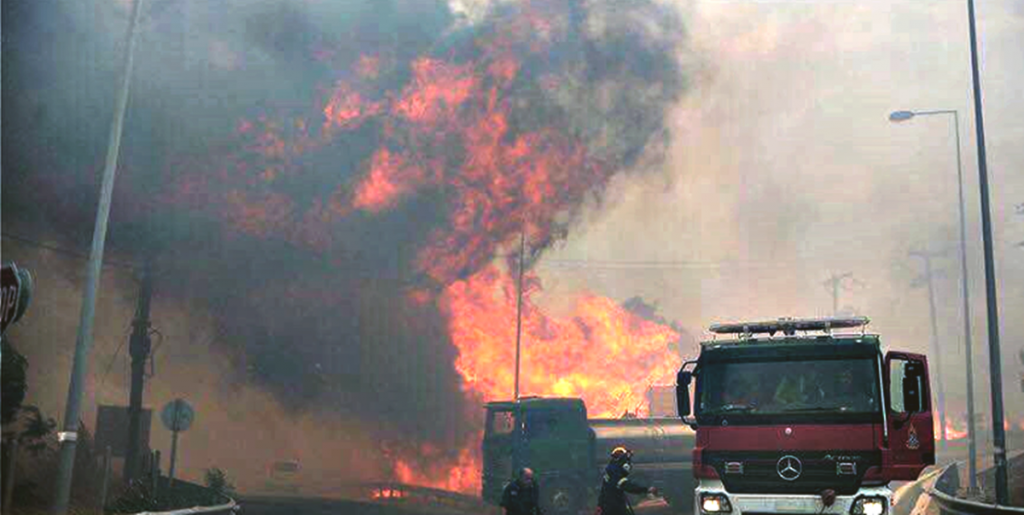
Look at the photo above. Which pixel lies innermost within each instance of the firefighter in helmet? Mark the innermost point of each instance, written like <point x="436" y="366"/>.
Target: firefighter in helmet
<point x="616" y="484"/>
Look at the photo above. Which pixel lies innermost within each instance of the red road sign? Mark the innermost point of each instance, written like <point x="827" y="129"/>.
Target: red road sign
<point x="15" y="292"/>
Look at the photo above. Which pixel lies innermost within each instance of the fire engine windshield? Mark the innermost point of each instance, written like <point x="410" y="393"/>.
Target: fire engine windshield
<point x="822" y="388"/>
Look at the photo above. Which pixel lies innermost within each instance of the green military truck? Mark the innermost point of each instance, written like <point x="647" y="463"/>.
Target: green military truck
<point x="568" y="452"/>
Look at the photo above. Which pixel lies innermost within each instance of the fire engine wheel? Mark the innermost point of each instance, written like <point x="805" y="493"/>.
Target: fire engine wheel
<point x="561" y="498"/>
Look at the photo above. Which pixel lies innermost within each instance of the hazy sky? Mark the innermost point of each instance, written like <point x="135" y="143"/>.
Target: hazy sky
<point x="784" y="169"/>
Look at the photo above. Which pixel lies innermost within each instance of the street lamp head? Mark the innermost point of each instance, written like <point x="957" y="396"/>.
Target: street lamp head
<point x="900" y="116"/>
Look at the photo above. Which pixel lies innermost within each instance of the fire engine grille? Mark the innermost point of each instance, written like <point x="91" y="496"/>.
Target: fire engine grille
<point x="817" y="471"/>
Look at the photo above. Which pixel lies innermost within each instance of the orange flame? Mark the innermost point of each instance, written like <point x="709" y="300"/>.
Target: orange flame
<point x="347" y="109"/>
<point x="387" y="494"/>
<point x="463" y="476"/>
<point x="437" y="91"/>
<point x="391" y="176"/>
<point x="952" y="433"/>
<point x="603" y="353"/>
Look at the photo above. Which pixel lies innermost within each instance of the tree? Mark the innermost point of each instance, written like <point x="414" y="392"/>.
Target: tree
<point x="34" y="428"/>
<point x="217" y="481"/>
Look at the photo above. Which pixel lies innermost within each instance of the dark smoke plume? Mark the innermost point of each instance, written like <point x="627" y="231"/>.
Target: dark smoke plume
<point x="242" y="165"/>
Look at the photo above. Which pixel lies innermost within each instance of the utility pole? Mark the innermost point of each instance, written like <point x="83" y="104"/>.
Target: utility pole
<point x="138" y="348"/>
<point x="83" y="340"/>
<point x="832" y="285"/>
<point x="517" y="433"/>
<point x="927" y="279"/>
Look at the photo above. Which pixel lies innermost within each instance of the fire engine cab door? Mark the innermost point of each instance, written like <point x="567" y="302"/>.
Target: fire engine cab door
<point x="909" y="417"/>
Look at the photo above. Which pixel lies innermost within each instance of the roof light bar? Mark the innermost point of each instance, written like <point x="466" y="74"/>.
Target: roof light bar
<point x="789" y="326"/>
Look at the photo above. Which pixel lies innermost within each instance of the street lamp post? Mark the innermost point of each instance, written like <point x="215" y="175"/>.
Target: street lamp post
<point x="972" y="449"/>
<point x="991" y="305"/>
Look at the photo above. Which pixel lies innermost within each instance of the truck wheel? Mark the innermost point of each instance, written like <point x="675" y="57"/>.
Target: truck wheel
<point x="562" y="498"/>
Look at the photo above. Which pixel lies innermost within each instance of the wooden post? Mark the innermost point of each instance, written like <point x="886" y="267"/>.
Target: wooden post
<point x="107" y="456"/>
<point x="9" y="475"/>
<point x="156" y="472"/>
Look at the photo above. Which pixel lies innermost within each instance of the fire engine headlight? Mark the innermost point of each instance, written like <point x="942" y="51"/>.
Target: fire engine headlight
<point x="869" y="506"/>
<point x="714" y="503"/>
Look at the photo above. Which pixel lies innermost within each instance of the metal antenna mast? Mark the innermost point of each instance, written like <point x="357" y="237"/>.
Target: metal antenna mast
<point x="833" y="284"/>
<point x="519" y="306"/>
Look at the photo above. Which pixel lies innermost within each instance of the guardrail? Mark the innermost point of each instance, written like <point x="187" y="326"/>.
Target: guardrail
<point x="944" y="493"/>
<point x="229" y="507"/>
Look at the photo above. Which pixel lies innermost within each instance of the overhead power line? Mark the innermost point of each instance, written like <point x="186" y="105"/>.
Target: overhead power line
<point x="655" y="264"/>
<point x="61" y="250"/>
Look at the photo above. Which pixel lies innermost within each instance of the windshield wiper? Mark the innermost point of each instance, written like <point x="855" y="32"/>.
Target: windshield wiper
<point x="728" y="408"/>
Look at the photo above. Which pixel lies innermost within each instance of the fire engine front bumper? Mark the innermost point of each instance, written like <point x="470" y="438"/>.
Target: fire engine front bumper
<point x="712" y="499"/>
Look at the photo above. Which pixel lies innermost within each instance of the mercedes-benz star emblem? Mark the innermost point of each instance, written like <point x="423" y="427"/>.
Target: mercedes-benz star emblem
<point x="789" y="468"/>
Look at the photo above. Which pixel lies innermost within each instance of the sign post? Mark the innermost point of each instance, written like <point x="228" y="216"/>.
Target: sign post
<point x="177" y="416"/>
<point x="16" y="294"/>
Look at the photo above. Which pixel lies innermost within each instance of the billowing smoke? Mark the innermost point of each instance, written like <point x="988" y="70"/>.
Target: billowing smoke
<point x="309" y="175"/>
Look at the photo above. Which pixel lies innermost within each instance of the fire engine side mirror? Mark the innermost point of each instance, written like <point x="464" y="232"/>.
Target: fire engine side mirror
<point x="683" y="393"/>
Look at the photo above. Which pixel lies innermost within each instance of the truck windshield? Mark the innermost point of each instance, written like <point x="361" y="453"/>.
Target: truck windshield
<point x="791" y="387"/>
<point x="500" y="422"/>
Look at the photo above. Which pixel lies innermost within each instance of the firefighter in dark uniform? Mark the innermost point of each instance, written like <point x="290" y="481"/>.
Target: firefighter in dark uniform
<point x="521" y="496"/>
<point x="616" y="484"/>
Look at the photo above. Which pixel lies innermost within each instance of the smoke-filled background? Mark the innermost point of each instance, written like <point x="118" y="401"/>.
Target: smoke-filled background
<point x="331" y="192"/>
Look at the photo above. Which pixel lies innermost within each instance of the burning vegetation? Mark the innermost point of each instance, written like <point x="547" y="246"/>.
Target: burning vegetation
<point x="347" y="238"/>
<point x="508" y="127"/>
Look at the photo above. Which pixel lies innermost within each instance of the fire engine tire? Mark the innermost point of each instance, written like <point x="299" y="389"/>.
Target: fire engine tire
<point x="561" y="497"/>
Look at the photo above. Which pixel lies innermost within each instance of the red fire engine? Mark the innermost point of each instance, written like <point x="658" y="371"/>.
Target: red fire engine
<point x="791" y="416"/>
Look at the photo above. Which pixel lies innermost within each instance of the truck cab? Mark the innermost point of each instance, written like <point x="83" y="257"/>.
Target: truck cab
<point x="792" y="417"/>
<point x="549" y="435"/>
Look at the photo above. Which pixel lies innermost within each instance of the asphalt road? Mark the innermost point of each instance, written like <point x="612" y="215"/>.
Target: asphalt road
<point x="303" y="506"/>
